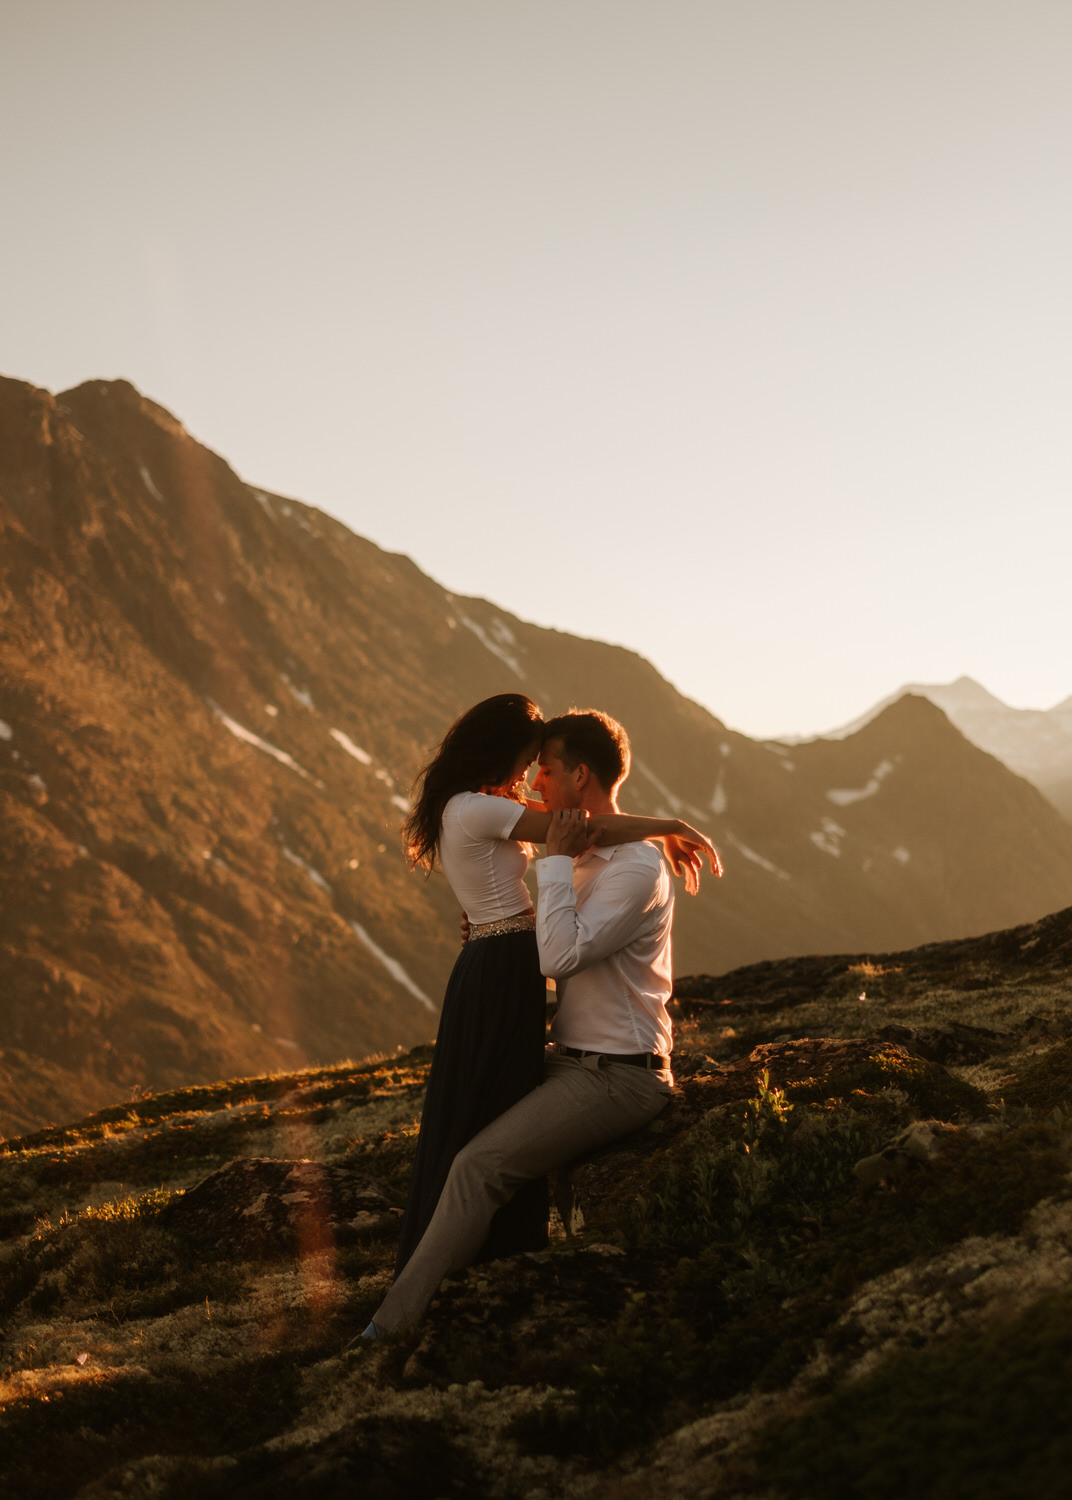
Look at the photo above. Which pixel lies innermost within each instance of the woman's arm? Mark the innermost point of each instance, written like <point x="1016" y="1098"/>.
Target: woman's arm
<point x="687" y="848"/>
<point x="686" y="858"/>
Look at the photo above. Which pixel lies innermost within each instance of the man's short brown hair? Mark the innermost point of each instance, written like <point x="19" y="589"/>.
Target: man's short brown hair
<point x="593" y="739"/>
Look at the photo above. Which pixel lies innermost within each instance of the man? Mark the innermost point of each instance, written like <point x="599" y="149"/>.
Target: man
<point x="603" y="927"/>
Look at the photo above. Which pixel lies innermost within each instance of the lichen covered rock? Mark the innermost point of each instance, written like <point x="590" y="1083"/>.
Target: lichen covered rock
<point x="259" y="1206"/>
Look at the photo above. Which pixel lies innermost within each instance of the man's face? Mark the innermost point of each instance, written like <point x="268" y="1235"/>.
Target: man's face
<point x="553" y="782"/>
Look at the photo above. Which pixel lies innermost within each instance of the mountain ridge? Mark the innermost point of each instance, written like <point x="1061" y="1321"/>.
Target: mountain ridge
<point x="1035" y="743"/>
<point x="214" y="700"/>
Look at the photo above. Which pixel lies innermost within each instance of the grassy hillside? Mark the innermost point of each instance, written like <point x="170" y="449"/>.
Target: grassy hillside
<point x="839" y="1265"/>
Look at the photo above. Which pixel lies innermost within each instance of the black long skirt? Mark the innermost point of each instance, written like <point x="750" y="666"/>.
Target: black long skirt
<point x="489" y="1053"/>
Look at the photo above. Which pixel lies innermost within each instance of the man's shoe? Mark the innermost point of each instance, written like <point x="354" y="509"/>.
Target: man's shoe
<point x="373" y="1331"/>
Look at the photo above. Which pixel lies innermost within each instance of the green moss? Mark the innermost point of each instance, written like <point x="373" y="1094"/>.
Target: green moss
<point x="985" y="1417"/>
<point x="120" y="1262"/>
<point x="763" y="1168"/>
<point x="747" y="1236"/>
<point x="54" y="1446"/>
<point x="621" y="1400"/>
<point x="1045" y="1083"/>
<point x="978" y="1185"/>
<point x="18" y="1190"/>
<point x="390" y="1159"/>
<point x="130" y="1206"/>
<point x="319" y="1086"/>
<point x="753" y="1255"/>
<point x="375" y="1458"/>
<point x="929" y="1089"/>
<point x="766" y="1298"/>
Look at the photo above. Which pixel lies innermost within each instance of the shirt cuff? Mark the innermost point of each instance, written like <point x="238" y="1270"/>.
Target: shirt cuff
<point x="556" y="867"/>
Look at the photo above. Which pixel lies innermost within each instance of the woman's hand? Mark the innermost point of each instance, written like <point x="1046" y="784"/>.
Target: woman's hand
<point x="686" y="850"/>
<point x="571" y="832"/>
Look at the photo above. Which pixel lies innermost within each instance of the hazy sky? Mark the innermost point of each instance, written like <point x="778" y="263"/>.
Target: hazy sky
<point x="735" y="331"/>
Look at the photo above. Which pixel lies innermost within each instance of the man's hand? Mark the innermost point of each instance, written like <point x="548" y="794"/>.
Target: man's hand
<point x="571" y="832"/>
<point x="465" y="928"/>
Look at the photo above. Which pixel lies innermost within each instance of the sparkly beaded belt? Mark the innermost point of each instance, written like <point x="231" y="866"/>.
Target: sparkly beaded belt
<point x="525" y="921"/>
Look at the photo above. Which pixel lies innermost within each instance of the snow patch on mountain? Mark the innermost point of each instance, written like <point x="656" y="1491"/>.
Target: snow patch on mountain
<point x="756" y="859"/>
<point x="347" y="744"/>
<point x="674" y="806"/>
<point x="351" y="749"/>
<point x="673" y="802"/>
<point x="249" y="738"/>
<point x="147" y="480"/>
<point x="828" y="838"/>
<point x="393" y="967"/>
<point x="844" y="798"/>
<point x="303" y="695"/>
<point x="496" y="640"/>
<point x="303" y="865"/>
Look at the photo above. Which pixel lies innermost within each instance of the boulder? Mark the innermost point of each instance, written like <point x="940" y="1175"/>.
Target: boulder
<point x="953" y="1043"/>
<point x="258" y="1207"/>
<point x="916" y="1146"/>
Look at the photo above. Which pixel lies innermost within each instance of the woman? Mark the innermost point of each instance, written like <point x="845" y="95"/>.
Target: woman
<point x="470" y="815"/>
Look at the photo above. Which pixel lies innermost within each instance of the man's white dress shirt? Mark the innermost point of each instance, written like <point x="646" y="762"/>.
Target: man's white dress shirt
<point x="603" y="927"/>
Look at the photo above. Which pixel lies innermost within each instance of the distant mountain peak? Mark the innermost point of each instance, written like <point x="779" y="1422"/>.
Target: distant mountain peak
<point x="1035" y="743"/>
<point x="965" y="694"/>
<point x="125" y="395"/>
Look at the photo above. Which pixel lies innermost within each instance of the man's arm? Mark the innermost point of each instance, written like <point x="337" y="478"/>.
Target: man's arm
<point x="571" y="938"/>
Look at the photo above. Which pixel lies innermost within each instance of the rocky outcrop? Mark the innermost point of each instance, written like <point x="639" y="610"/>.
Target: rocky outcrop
<point x="258" y="1207"/>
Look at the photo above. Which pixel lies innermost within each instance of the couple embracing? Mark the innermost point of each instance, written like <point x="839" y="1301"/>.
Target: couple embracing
<point x="503" y="1106"/>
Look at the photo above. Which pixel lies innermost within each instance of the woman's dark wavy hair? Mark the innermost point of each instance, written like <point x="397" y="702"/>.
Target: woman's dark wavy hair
<point x="479" y="750"/>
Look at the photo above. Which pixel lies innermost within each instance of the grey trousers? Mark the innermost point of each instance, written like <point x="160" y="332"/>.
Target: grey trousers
<point x="579" y="1106"/>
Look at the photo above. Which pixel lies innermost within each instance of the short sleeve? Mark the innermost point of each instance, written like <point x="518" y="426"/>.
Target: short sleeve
<point x="483" y="817"/>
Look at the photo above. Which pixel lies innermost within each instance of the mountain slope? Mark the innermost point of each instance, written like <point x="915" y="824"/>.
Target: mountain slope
<point x="898" y="820"/>
<point x="213" y="701"/>
<point x="1035" y="743"/>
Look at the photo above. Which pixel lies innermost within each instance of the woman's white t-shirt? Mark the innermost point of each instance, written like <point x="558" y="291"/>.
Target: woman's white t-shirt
<point x="485" y="867"/>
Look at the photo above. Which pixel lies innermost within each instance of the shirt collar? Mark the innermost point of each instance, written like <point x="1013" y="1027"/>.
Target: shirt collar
<point x="602" y="851"/>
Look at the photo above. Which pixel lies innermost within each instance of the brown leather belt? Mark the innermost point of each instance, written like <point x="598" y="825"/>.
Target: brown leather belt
<point x="650" y="1060"/>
